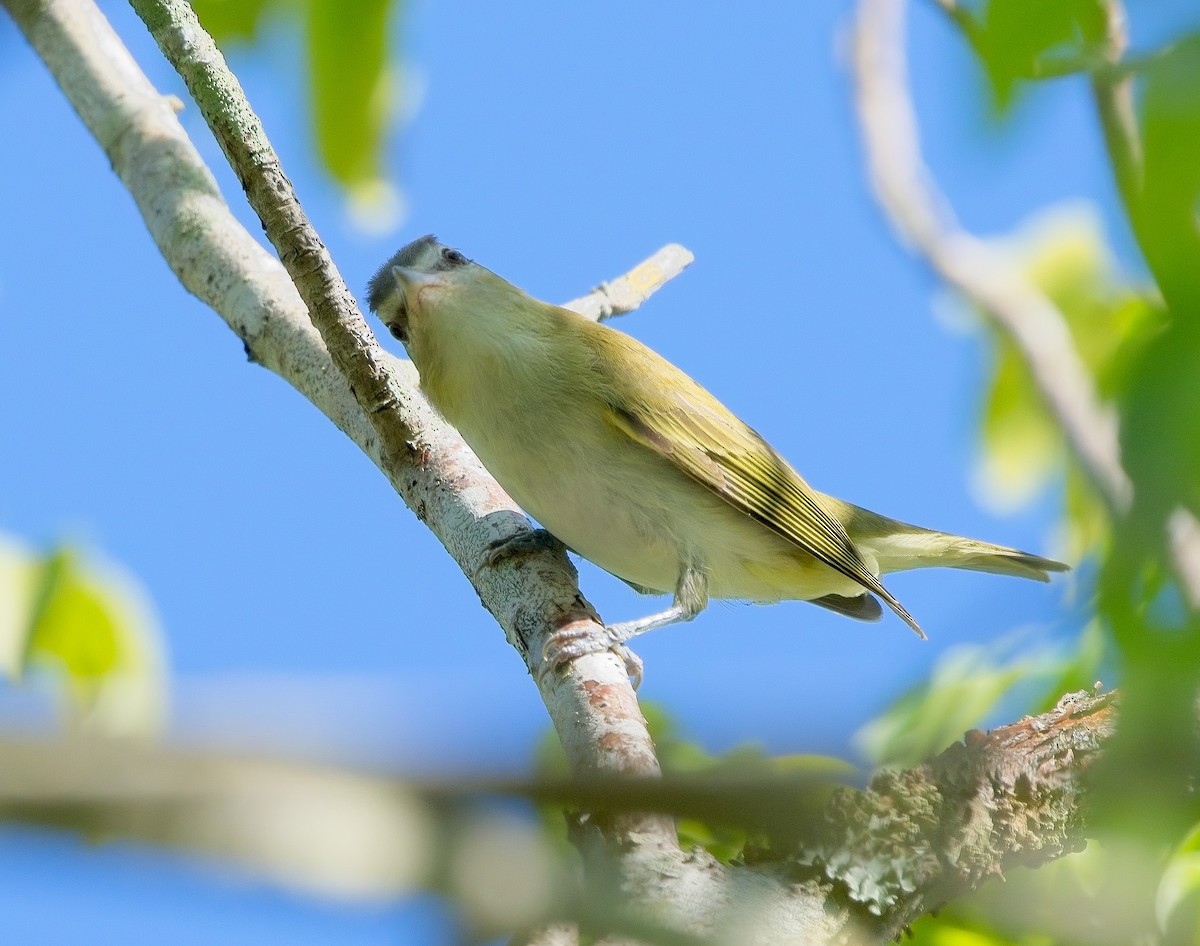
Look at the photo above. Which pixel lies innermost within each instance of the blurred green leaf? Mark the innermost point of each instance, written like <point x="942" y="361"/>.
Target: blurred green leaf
<point x="233" y="19"/>
<point x="966" y="684"/>
<point x="939" y="932"/>
<point x="1177" y="904"/>
<point x="347" y="45"/>
<point x="352" y="84"/>
<point x="1165" y="216"/>
<point x="1013" y="35"/>
<point x="88" y="626"/>
<point x="1160" y="424"/>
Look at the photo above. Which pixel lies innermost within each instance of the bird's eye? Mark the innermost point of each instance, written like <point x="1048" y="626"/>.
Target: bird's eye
<point x="453" y="257"/>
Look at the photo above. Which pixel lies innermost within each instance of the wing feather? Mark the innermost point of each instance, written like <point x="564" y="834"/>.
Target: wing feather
<point x="708" y="443"/>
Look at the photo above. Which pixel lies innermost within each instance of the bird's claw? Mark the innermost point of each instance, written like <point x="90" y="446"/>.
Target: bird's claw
<point x="525" y="542"/>
<point x="579" y="640"/>
<point x="575" y="639"/>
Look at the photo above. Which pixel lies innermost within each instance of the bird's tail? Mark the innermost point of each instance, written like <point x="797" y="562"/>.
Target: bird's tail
<point x="897" y="546"/>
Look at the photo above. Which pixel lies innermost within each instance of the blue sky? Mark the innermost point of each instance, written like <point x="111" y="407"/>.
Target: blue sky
<point x="558" y="145"/>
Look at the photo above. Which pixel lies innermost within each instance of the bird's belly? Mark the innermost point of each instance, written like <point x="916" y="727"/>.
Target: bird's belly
<point x="641" y="519"/>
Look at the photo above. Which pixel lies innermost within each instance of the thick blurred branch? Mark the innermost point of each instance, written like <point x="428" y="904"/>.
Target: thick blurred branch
<point x="921" y="216"/>
<point x="855" y="867"/>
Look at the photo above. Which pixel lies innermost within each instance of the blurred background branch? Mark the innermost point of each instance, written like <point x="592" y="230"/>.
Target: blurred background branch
<point x="912" y="839"/>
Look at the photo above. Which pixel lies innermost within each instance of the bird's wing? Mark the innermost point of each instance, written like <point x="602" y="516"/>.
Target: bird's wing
<point x="696" y="433"/>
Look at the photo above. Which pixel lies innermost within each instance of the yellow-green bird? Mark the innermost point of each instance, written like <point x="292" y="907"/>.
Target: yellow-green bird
<point x="635" y="466"/>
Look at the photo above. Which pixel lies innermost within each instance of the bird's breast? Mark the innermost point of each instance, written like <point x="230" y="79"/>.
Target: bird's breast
<point x="636" y="515"/>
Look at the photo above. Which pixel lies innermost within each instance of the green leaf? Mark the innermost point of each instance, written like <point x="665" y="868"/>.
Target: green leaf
<point x="1177" y="904"/>
<point x="350" y="85"/>
<point x="964" y="687"/>
<point x="89" y="628"/>
<point x="1013" y="35"/>
<point x="1160" y="423"/>
<point x="231" y="19"/>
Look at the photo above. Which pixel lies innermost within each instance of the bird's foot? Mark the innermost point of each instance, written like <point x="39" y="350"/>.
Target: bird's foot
<point x="525" y="542"/>
<point x="578" y="640"/>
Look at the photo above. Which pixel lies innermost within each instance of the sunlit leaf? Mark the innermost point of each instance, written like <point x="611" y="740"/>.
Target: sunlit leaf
<point x="351" y="85"/>
<point x="1177" y="904"/>
<point x="1013" y="35"/>
<point x="88" y="627"/>
<point x="233" y="19"/>
<point x="951" y="933"/>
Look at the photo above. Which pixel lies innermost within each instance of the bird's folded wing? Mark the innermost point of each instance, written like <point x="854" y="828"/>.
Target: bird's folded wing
<point x="717" y="450"/>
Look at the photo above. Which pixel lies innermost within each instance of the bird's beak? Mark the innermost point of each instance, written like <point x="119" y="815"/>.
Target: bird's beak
<point x="414" y="280"/>
<point x="410" y="282"/>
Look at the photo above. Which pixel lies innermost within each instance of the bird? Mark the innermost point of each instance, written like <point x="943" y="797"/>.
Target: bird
<point x="633" y="465"/>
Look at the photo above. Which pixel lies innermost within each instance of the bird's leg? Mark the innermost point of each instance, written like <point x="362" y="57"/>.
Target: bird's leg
<point x="691" y="597"/>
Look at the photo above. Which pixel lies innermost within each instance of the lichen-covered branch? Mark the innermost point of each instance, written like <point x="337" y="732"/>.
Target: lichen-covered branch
<point x="1010" y="798"/>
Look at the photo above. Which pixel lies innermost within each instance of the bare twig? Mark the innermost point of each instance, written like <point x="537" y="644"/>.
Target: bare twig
<point x="626" y="293"/>
<point x="1018" y="308"/>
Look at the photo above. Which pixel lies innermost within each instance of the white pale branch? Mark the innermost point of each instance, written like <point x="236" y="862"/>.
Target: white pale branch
<point x="920" y="214"/>
<point x="591" y="703"/>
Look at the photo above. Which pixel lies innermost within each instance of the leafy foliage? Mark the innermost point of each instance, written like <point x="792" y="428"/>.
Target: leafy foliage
<point x="1142" y="347"/>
